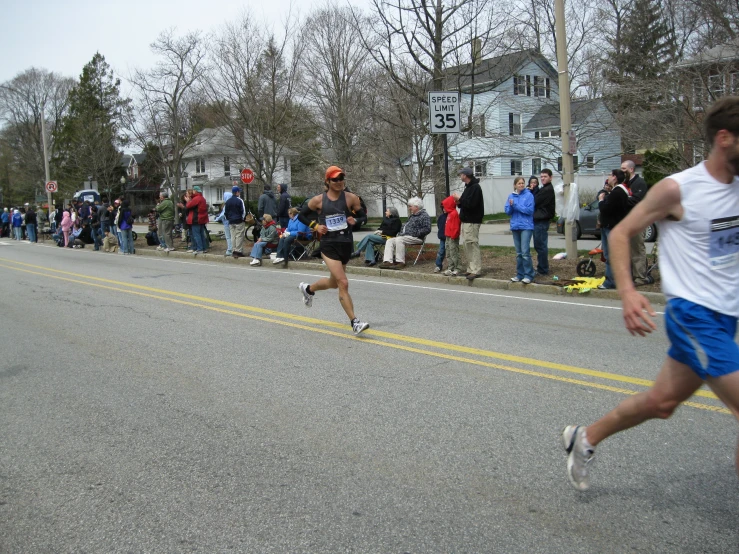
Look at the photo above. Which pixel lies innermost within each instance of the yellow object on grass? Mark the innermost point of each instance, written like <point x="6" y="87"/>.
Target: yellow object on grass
<point x="585" y="284"/>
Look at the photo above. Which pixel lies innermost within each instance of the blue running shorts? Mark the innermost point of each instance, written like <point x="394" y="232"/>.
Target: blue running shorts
<point x="701" y="338"/>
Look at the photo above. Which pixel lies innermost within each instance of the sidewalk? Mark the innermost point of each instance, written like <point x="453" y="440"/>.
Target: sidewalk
<point x="430" y="278"/>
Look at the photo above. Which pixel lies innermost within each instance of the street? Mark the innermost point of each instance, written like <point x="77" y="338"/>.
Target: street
<point x="170" y="405"/>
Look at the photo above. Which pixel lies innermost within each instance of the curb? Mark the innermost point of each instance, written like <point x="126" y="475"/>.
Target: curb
<point x="480" y="282"/>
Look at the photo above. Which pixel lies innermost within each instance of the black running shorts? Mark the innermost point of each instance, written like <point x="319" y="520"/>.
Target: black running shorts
<point x="341" y="251"/>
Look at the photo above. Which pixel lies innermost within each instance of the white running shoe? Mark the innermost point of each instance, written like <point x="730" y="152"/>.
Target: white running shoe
<point x="579" y="457"/>
<point x="255" y="261"/>
<point x="359" y="326"/>
<point x="307" y="298"/>
<point x="278" y="260"/>
<point x="526" y="281"/>
<point x="515" y="279"/>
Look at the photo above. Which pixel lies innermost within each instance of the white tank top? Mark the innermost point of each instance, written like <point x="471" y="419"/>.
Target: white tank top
<point x="699" y="255"/>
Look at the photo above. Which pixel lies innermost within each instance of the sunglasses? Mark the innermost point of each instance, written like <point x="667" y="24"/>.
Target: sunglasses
<point x="337" y="179"/>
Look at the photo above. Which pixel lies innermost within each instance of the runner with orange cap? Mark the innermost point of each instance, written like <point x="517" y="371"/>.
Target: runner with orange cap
<point x="336" y="211"/>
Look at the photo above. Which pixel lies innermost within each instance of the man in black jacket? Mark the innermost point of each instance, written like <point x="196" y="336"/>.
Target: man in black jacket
<point x="638" y="188"/>
<point x="283" y="204"/>
<point x="471" y="210"/>
<point x="613" y="208"/>
<point x="543" y="214"/>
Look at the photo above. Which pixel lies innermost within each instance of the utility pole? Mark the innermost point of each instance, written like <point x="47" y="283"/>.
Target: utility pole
<point x="46" y="158"/>
<point x="565" y="119"/>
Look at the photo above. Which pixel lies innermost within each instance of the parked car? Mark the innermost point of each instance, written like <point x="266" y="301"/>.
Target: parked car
<point x="586" y="225"/>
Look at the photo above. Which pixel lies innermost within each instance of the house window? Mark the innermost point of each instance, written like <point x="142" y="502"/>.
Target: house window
<point x="547" y="134"/>
<point x="589" y="162"/>
<point x="516" y="167"/>
<point x="199" y="165"/>
<point x="698" y="147"/>
<point x="575" y="164"/>
<point x="716" y="85"/>
<point x="735" y="83"/>
<point x="540" y="89"/>
<point x="519" y="84"/>
<point x="478" y="126"/>
<point x="480" y="168"/>
<point x="514" y="124"/>
<point x="219" y="194"/>
<point x="536" y="166"/>
<point x="698" y="93"/>
<point x="226" y="167"/>
<point x="284" y="163"/>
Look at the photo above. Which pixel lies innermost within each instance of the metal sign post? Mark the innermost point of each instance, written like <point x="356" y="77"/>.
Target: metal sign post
<point x="444" y="119"/>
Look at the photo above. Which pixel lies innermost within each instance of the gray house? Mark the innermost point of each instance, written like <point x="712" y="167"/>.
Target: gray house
<point x="515" y="130"/>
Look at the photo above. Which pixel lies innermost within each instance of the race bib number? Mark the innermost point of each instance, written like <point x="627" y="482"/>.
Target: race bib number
<point x="724" y="246"/>
<point x="336" y="222"/>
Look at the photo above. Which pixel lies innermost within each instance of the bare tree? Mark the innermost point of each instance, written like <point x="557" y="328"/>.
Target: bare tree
<point x="167" y="97"/>
<point x="340" y="82"/>
<point x="24" y="100"/>
<point x="253" y="84"/>
<point x="433" y="37"/>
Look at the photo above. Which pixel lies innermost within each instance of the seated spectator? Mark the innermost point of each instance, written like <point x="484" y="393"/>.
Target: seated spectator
<point x="413" y="232"/>
<point x="75" y="240"/>
<point x="389" y="228"/>
<point x="295" y="229"/>
<point x="268" y="236"/>
<point x="110" y="242"/>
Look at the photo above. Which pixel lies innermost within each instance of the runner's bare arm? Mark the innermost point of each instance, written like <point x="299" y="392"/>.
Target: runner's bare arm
<point x="353" y="203"/>
<point x="662" y="202"/>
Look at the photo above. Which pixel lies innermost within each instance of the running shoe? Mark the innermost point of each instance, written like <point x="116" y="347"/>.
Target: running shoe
<point x="526" y="281"/>
<point x="515" y="279"/>
<point x="579" y="457"/>
<point x="359" y="326"/>
<point x="307" y="298"/>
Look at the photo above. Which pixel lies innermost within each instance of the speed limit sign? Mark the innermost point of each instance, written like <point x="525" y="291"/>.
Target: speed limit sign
<point x="444" y="112"/>
<point x="51" y="186"/>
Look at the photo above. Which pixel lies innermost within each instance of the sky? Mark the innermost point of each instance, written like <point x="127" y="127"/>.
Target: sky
<point x="63" y="35"/>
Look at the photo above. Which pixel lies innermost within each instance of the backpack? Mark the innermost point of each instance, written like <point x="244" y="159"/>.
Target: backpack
<point x="150" y="239"/>
<point x="130" y="220"/>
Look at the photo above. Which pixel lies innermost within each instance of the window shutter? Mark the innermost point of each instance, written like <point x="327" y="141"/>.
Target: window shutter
<point x="515" y="84"/>
<point x="510" y="123"/>
<point x="536" y="135"/>
<point x="559" y="163"/>
<point x="528" y="85"/>
<point x="547" y="87"/>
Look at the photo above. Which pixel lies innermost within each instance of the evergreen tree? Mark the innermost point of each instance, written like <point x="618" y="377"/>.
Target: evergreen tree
<point x="89" y="141"/>
<point x="643" y="51"/>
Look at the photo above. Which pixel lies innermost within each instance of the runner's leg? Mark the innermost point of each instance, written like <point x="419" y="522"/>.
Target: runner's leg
<point x="675" y="383"/>
<point x="338" y="280"/>
<point x="727" y="389"/>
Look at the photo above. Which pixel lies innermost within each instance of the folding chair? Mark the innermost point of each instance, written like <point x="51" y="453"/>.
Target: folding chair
<point x="420" y="250"/>
<point x="302" y="247"/>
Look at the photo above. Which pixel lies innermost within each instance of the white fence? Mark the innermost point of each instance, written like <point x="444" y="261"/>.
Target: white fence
<point x="495" y="191"/>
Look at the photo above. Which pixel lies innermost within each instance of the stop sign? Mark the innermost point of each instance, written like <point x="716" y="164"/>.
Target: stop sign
<point x="247" y="175"/>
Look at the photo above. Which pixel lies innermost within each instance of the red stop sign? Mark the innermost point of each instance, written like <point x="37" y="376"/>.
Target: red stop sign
<point x="247" y="175"/>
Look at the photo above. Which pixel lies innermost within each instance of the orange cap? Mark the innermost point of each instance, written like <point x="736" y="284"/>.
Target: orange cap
<point x="333" y="172"/>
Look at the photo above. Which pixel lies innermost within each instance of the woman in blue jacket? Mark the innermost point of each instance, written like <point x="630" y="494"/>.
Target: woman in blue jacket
<point x="520" y="206"/>
<point x="17" y="222"/>
<point x="295" y="230"/>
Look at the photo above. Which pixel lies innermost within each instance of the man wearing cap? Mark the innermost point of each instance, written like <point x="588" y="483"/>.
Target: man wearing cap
<point x="165" y="211"/>
<point x="336" y="211"/>
<point x="471" y="209"/>
<point x="197" y="217"/>
<point x="234" y="212"/>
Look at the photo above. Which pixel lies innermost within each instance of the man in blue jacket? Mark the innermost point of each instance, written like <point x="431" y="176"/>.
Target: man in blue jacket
<point x="235" y="212"/>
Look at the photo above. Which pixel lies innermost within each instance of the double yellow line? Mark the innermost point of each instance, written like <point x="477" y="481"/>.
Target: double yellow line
<point x="431" y="348"/>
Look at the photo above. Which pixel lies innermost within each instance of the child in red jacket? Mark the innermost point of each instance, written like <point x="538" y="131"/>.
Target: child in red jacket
<point x="451" y="230"/>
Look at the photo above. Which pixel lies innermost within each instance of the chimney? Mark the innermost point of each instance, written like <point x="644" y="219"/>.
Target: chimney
<point x="476" y="51"/>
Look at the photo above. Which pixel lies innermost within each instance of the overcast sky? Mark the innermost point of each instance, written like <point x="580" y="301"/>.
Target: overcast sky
<point x="63" y="35"/>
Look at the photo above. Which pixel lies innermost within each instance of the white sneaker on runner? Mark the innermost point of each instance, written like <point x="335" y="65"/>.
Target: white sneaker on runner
<point x="307" y="298"/>
<point x="359" y="326"/>
<point x="579" y="457"/>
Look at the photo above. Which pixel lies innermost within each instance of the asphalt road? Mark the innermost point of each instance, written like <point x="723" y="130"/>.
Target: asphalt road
<point x="162" y="405"/>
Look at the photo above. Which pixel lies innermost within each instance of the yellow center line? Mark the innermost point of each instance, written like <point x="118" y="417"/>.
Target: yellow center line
<point x="268" y="315"/>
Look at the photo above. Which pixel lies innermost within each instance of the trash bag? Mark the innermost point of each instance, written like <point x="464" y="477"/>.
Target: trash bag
<point x="559" y="198"/>
<point x="572" y="206"/>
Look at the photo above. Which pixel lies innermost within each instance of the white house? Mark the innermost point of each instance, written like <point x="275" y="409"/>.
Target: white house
<point x="214" y="163"/>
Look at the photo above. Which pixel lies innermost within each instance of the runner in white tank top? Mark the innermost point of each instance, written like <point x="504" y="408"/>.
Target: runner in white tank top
<point x="698" y="215"/>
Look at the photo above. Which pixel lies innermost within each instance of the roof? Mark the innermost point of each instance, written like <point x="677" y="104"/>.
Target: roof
<point x="726" y="52"/>
<point x="139" y="158"/>
<point x="548" y="115"/>
<point x="125" y="160"/>
<point x="490" y="72"/>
